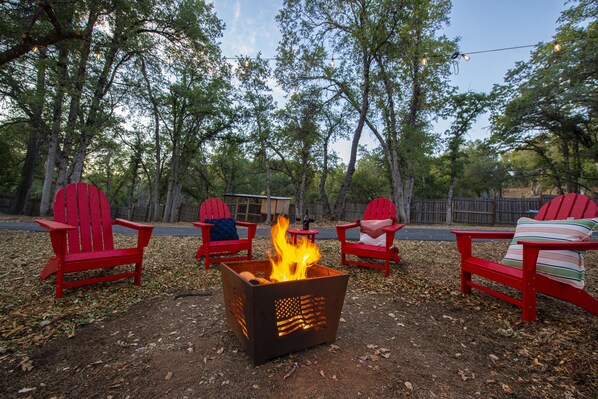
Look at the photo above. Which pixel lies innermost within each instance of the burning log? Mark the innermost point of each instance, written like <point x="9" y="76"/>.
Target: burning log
<point x="248" y="276"/>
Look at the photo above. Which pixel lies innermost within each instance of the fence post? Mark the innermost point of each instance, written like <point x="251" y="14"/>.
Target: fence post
<point x="493" y="210"/>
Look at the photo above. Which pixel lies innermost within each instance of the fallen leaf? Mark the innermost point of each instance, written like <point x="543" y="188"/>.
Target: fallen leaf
<point x="322" y="373"/>
<point x="168" y="375"/>
<point x="507" y="388"/>
<point x="26" y="364"/>
<point x="409" y="385"/>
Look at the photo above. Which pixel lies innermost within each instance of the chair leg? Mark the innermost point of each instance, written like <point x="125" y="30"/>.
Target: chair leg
<point x="207" y="254"/>
<point x="387" y="266"/>
<point x="465" y="280"/>
<point x="200" y="252"/>
<point x="249" y="253"/>
<point x="59" y="280"/>
<point x="528" y="303"/>
<point x="50" y="268"/>
<point x="137" y="280"/>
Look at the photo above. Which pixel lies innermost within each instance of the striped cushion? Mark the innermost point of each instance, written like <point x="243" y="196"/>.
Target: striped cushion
<point x="565" y="266"/>
<point x="371" y="232"/>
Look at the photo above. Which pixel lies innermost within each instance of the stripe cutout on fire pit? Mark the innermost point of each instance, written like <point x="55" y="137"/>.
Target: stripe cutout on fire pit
<point x="302" y="312"/>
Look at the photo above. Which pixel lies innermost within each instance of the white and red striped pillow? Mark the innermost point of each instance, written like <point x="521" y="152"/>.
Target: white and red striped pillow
<point x="371" y="232"/>
<point x="564" y="266"/>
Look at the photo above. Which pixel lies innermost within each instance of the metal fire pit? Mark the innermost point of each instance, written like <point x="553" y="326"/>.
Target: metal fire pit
<point x="274" y="319"/>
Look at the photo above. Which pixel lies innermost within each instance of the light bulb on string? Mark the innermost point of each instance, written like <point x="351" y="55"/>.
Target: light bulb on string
<point x="465" y="57"/>
<point x="332" y="62"/>
<point x="98" y="55"/>
<point x="34" y="49"/>
<point x="246" y="63"/>
<point x="557" y="47"/>
<point x="424" y="61"/>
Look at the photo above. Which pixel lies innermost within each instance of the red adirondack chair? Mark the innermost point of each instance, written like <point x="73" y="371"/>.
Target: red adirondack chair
<point x="526" y="279"/>
<point x="226" y="249"/>
<point x="378" y="209"/>
<point x="81" y="236"/>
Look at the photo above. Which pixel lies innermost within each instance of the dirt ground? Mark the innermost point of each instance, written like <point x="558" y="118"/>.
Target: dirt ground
<point x="410" y="335"/>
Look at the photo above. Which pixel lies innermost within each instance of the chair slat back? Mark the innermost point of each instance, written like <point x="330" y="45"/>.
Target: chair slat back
<point x="84" y="206"/>
<point x="577" y="206"/>
<point x="380" y="208"/>
<point x="213" y="208"/>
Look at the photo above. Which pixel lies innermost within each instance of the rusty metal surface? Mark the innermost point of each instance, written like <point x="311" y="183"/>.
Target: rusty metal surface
<point x="271" y="320"/>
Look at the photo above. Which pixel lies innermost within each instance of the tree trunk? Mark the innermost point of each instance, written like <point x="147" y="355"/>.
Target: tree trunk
<point x="158" y="154"/>
<point x="339" y="206"/>
<point x="53" y="140"/>
<point x="76" y="93"/>
<point x="268" y="220"/>
<point x="33" y="143"/>
<point x="449" y="202"/>
<point x="326" y="211"/>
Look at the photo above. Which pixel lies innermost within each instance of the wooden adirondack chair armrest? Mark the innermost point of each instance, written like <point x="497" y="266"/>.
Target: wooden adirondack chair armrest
<point x="464" y="239"/>
<point x="54" y="226"/>
<point x="201" y="225"/>
<point x="251" y="228"/>
<point x="393" y="228"/>
<point x="133" y="225"/>
<point x="205" y="231"/>
<point x="571" y="246"/>
<point x="485" y="234"/>
<point x="532" y="249"/>
<point x="144" y="231"/>
<point x="57" y="232"/>
<point x="390" y="233"/>
<point x="341" y="230"/>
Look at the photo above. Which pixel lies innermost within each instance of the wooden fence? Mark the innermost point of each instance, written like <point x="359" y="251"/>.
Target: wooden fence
<point x="477" y="211"/>
<point x="474" y="211"/>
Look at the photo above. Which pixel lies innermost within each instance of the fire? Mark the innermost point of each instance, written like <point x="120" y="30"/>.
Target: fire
<point x="291" y="261"/>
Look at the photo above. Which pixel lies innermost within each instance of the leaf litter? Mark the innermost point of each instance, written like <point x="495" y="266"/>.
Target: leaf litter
<point x="559" y="353"/>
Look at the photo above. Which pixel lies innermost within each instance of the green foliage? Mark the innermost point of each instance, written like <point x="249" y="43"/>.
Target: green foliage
<point x="548" y="104"/>
<point x="371" y="178"/>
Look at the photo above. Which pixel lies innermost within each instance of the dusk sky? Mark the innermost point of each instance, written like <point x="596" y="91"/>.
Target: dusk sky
<point x="481" y="24"/>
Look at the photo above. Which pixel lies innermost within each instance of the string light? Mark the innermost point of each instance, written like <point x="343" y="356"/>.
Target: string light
<point x="426" y="59"/>
<point x="246" y="63"/>
<point x="557" y="47"/>
<point x="34" y="49"/>
<point x="98" y="55"/>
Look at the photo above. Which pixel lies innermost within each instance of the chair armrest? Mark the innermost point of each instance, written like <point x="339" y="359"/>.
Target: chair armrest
<point x="390" y="233"/>
<point x="341" y="230"/>
<point x="251" y="228"/>
<point x="571" y="246"/>
<point x="133" y="225"/>
<point x="464" y="239"/>
<point x="348" y="226"/>
<point x="485" y="234"/>
<point x="57" y="232"/>
<point x="205" y="231"/>
<point x="144" y="231"/>
<point x="201" y="225"/>
<point x="531" y="250"/>
<point x="393" y="229"/>
<point x="54" y="226"/>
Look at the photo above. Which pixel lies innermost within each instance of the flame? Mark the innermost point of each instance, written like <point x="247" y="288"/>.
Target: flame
<point x="291" y="261"/>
